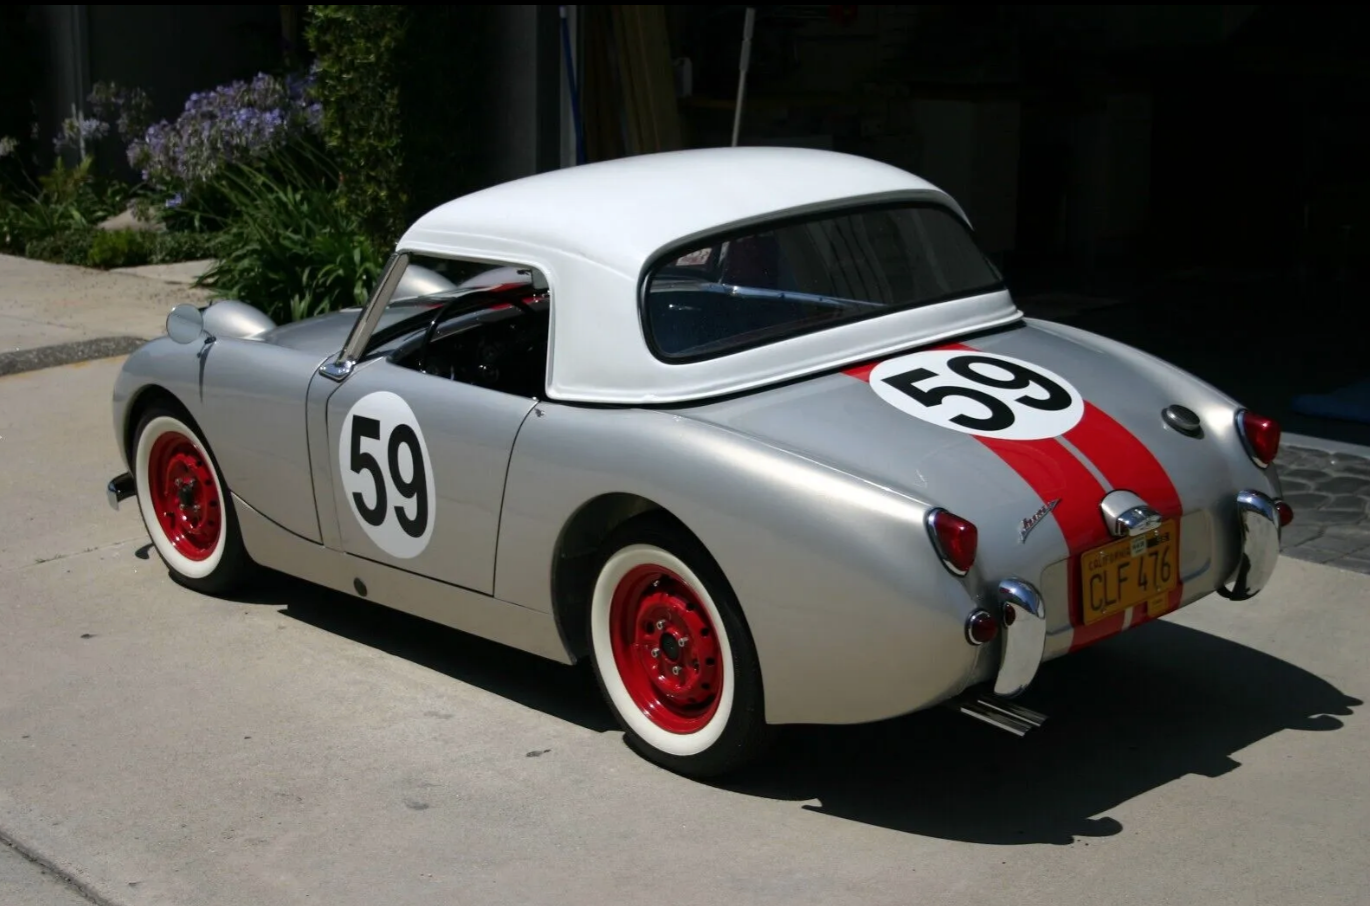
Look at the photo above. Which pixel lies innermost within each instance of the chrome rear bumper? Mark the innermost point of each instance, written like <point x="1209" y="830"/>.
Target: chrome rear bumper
<point x="1258" y="525"/>
<point x="120" y="487"/>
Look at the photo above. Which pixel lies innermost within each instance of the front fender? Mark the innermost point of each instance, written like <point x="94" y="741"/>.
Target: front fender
<point x="160" y="365"/>
<point x="853" y="616"/>
<point x="248" y="399"/>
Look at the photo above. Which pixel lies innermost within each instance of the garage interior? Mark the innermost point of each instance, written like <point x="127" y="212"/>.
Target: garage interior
<point x="1186" y="179"/>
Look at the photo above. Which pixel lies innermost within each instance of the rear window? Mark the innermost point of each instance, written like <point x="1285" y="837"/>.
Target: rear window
<point x="776" y="282"/>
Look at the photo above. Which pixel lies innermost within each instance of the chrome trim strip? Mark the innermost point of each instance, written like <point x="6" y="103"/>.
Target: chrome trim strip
<point x="1025" y="635"/>
<point x="1258" y="523"/>
<point x="352" y="350"/>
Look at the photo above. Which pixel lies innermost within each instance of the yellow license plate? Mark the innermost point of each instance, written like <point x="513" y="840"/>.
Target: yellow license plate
<point x="1123" y="574"/>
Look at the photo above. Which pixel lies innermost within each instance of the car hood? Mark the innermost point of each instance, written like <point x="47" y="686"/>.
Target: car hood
<point x="326" y="334"/>
<point x="323" y="334"/>
<point x="1110" y="434"/>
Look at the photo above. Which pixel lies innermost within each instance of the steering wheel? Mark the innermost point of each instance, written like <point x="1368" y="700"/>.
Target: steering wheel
<point x="464" y="304"/>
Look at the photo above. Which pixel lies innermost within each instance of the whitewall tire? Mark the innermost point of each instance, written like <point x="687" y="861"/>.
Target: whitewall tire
<point x="672" y="653"/>
<point x="185" y="505"/>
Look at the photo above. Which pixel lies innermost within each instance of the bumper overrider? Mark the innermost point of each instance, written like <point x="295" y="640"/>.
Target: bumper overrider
<point x="1022" y="623"/>
<point x="1259" y="520"/>
<point x="120" y="488"/>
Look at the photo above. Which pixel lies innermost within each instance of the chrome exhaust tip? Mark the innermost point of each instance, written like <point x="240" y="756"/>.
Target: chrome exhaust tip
<point x="998" y="712"/>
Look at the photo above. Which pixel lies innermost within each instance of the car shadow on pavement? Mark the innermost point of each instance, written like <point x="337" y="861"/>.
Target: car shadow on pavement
<point x="568" y="693"/>
<point x="1125" y="717"/>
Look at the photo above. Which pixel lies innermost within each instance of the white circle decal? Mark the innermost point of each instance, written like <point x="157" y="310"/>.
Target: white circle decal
<point x="980" y="393"/>
<point x="387" y="475"/>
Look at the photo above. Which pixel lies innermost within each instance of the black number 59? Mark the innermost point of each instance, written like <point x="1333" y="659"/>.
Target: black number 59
<point x="998" y="413"/>
<point x="413" y="489"/>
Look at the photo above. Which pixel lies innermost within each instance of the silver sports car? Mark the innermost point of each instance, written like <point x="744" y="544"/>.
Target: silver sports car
<point x="758" y="431"/>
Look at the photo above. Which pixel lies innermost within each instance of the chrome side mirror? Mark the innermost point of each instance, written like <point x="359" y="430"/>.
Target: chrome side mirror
<point x="185" y="324"/>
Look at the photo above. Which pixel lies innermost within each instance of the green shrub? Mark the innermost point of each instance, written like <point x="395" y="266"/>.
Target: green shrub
<point x="290" y="249"/>
<point x="395" y="83"/>
<point x="65" y="199"/>
<point x="91" y="247"/>
<point x="119" y="248"/>
<point x="357" y="80"/>
<point x="171" y="247"/>
<point x="71" y="246"/>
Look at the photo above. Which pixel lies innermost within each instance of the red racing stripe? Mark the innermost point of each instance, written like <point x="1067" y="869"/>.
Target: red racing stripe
<point x="1127" y="464"/>
<point x="861" y="372"/>
<point x="1054" y="472"/>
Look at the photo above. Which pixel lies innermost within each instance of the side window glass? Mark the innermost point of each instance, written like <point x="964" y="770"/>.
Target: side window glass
<point x="475" y="322"/>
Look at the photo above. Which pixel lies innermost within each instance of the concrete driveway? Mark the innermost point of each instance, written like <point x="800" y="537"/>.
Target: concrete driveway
<point x="297" y="746"/>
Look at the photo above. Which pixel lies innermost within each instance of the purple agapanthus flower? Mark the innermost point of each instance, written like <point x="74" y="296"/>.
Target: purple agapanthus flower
<point x="78" y="131"/>
<point x="238" y="121"/>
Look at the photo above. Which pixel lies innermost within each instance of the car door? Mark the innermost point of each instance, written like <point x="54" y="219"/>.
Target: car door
<point x="419" y="463"/>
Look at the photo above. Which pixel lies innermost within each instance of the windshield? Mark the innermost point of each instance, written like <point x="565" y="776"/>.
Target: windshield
<point x="792" y="278"/>
<point x="429" y="283"/>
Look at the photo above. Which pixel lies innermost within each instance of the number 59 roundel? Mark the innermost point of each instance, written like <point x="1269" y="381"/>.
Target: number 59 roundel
<point x="386" y="474"/>
<point x="980" y="393"/>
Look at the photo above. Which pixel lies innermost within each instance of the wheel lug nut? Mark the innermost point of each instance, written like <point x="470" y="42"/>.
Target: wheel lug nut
<point x="656" y="652"/>
<point x="660" y="624"/>
<point x="676" y="670"/>
<point x="683" y="641"/>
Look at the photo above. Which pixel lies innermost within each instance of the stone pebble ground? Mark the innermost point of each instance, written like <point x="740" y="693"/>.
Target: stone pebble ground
<point x="1330" y="494"/>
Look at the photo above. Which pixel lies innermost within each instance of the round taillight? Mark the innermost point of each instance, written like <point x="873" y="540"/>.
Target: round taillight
<point x="981" y="628"/>
<point x="1262" y="436"/>
<point x="1286" y="512"/>
<point x="955" y="539"/>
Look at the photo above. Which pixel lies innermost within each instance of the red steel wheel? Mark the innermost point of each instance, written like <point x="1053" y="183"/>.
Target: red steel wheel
<point x="185" y="495"/>
<point x="185" y="506"/>
<point x="666" y="649"/>
<point x="672" y="653"/>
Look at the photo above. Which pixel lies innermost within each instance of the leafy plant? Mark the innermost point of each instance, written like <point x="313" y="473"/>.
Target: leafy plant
<point x="65" y="199"/>
<point x="170" y="247"/>
<point x="357" y="81"/>
<point x="396" y="84"/>
<point x="119" y="248"/>
<point x="232" y="123"/>
<point x="240" y="122"/>
<point x="92" y="247"/>
<point x="67" y="247"/>
<point x="289" y="248"/>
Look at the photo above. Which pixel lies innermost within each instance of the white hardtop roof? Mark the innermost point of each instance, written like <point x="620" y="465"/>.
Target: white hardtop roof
<point x="592" y="229"/>
<point x="620" y="213"/>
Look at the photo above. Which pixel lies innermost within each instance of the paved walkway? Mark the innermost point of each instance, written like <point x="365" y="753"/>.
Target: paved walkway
<point x="44" y="304"/>
<point x="1330" y="494"/>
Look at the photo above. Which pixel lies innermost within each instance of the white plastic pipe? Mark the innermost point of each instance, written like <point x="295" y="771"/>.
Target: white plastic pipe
<point x="742" y="75"/>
